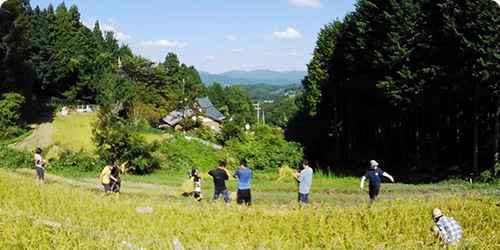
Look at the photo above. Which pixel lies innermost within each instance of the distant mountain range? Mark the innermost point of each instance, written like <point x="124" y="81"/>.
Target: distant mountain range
<point x="237" y="77"/>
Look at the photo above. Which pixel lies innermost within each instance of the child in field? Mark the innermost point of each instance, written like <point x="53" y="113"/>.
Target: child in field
<point x="105" y="177"/>
<point x="39" y="165"/>
<point x="193" y="175"/>
<point x="373" y="174"/>
<point x="197" y="188"/>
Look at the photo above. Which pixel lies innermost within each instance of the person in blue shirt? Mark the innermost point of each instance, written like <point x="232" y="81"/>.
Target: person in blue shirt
<point x="304" y="179"/>
<point x="244" y="176"/>
<point x="373" y="174"/>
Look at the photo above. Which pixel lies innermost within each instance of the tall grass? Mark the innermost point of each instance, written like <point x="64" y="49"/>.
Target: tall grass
<point x="74" y="131"/>
<point x="55" y="216"/>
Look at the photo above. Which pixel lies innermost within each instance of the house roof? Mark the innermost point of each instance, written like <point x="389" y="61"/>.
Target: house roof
<point x="209" y="109"/>
<point x="206" y="106"/>
<point x="175" y="116"/>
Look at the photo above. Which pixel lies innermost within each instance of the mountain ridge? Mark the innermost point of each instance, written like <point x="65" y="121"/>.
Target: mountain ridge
<point x="239" y="77"/>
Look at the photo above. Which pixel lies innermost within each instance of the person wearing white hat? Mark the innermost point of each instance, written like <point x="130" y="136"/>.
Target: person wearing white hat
<point x="446" y="227"/>
<point x="373" y="174"/>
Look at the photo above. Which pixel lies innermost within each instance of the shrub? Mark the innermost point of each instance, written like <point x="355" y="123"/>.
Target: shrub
<point x="182" y="154"/>
<point x="78" y="161"/>
<point x="12" y="158"/>
<point x="267" y="149"/>
<point x="116" y="137"/>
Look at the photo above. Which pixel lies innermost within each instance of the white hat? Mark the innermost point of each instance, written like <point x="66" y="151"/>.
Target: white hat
<point x="373" y="163"/>
<point x="436" y="212"/>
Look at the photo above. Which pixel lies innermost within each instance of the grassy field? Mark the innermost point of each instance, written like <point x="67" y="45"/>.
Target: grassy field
<point x="74" y="131"/>
<point x="69" y="214"/>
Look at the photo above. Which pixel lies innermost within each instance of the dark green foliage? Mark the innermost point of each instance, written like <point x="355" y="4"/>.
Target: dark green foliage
<point x="267" y="149"/>
<point x="279" y="112"/>
<point x="12" y="158"/>
<point x="10" y="112"/>
<point x="232" y="101"/>
<point x="410" y="82"/>
<point x="115" y="137"/>
<point x="265" y="92"/>
<point x="182" y="154"/>
<point x="77" y="162"/>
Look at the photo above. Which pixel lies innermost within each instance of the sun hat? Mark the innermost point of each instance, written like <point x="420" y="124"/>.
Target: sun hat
<point x="436" y="212"/>
<point x="373" y="163"/>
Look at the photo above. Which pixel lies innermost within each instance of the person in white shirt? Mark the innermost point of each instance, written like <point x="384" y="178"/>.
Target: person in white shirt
<point x="39" y="165"/>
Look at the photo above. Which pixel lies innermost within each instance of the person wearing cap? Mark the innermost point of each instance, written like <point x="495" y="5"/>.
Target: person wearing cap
<point x="446" y="227"/>
<point x="244" y="176"/>
<point x="304" y="179"/>
<point x="39" y="165"/>
<point x="220" y="176"/>
<point x="373" y="174"/>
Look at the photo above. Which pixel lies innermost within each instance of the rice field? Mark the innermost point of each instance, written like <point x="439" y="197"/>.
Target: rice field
<point x="58" y="215"/>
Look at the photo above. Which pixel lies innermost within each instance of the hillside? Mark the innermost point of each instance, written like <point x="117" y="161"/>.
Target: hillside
<point x="236" y="77"/>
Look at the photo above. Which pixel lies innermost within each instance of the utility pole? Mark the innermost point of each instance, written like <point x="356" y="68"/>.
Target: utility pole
<point x="257" y="107"/>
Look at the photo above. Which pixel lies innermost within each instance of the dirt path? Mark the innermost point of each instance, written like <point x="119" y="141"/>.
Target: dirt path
<point x="41" y="137"/>
<point x="93" y="183"/>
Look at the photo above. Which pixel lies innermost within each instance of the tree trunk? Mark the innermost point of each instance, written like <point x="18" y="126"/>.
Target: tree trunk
<point x="475" y="151"/>
<point x="495" y="138"/>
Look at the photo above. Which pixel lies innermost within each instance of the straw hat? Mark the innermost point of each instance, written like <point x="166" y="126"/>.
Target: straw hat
<point x="436" y="212"/>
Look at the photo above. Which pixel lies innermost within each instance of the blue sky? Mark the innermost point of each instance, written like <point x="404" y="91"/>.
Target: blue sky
<point x="216" y="35"/>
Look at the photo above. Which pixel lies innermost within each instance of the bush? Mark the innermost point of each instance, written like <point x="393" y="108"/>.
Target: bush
<point x="182" y="154"/>
<point x="77" y="161"/>
<point x="117" y="137"/>
<point x="12" y="158"/>
<point x="267" y="149"/>
<point x="484" y="177"/>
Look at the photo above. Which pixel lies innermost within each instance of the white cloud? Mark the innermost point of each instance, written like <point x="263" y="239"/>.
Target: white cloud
<point x="306" y="3"/>
<point x="289" y="33"/>
<point x="104" y="26"/>
<point x="164" y="43"/>
<point x="121" y="36"/>
<point x="208" y="58"/>
<point x="237" y="50"/>
<point x="232" y="38"/>
<point x="113" y="21"/>
<point x="90" y="22"/>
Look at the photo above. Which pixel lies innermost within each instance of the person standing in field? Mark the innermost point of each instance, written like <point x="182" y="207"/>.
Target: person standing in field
<point x="105" y="177"/>
<point x="373" y="174"/>
<point x="115" y="180"/>
<point x="304" y="179"/>
<point x="220" y="176"/>
<point x="446" y="228"/>
<point x="39" y="165"/>
<point x="244" y="176"/>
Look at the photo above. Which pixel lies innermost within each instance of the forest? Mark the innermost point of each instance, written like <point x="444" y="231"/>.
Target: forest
<point x="411" y="83"/>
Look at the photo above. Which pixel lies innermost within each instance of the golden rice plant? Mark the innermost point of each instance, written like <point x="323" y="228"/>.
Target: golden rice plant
<point x="285" y="172"/>
<point x="188" y="186"/>
<point x="56" y="215"/>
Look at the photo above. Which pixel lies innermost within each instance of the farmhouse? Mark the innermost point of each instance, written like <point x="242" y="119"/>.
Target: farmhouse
<point x="211" y="117"/>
